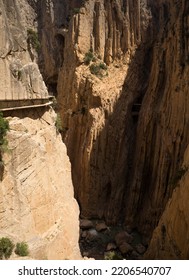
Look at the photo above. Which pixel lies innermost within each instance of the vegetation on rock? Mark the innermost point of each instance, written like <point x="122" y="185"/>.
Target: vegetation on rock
<point x="33" y="39"/>
<point x="6" y="248"/>
<point x="76" y="11"/>
<point x="4" y="128"/>
<point x="58" y="123"/>
<point x="97" y="69"/>
<point x="89" y="56"/>
<point x="22" y="249"/>
<point x="112" y="255"/>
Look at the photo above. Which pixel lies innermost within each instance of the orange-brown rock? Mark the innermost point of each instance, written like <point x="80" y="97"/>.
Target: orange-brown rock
<point x="126" y="132"/>
<point x="96" y="111"/>
<point x="120" y="72"/>
<point x="170" y="238"/>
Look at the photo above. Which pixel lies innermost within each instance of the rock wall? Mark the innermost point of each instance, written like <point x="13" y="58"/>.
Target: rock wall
<point x="37" y="203"/>
<point x="36" y="197"/>
<point x="97" y="111"/>
<point x="162" y="136"/>
<point x="20" y="76"/>
<point x="170" y="238"/>
<point x="119" y="70"/>
<point x="126" y="131"/>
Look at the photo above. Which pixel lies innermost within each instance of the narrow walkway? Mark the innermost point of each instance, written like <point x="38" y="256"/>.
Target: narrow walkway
<point x="27" y="106"/>
<point x="12" y="105"/>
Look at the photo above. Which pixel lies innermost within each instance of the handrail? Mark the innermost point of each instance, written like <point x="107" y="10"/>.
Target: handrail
<point x="27" y="106"/>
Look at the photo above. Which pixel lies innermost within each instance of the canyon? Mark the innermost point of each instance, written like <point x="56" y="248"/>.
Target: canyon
<point x="118" y="70"/>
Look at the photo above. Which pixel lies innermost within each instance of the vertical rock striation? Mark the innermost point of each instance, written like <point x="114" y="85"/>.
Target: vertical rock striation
<point x="170" y="238"/>
<point x="162" y="132"/>
<point x="36" y="194"/>
<point x="96" y="113"/>
<point x="126" y="133"/>
<point x="37" y="203"/>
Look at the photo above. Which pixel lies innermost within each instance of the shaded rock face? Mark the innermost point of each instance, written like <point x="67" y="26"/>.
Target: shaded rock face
<point x="97" y="113"/>
<point x="162" y="131"/>
<point x="124" y="111"/>
<point x="126" y="132"/>
<point x="170" y="238"/>
<point x="37" y="203"/>
<point x="53" y="23"/>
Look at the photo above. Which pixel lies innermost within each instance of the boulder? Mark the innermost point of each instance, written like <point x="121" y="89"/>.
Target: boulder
<point x="111" y="247"/>
<point x="92" y="234"/>
<point x="123" y="237"/>
<point x="86" y="224"/>
<point x="125" y="248"/>
<point x="140" y="249"/>
<point x="101" y="226"/>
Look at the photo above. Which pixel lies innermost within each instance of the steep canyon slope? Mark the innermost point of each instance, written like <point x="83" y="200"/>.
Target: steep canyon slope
<point x="122" y="93"/>
<point x="37" y="203"/>
<point x="119" y="71"/>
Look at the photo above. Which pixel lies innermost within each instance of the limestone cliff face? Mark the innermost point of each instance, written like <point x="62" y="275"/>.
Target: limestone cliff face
<point x="37" y="204"/>
<point x="126" y="130"/>
<point x="162" y="132"/>
<point x="36" y="194"/>
<point x="169" y="241"/>
<point x="96" y="112"/>
<point x="170" y="238"/>
<point x="119" y="70"/>
<point x="20" y="76"/>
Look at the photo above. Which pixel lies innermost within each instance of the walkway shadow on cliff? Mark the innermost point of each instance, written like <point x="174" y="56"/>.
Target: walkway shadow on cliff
<point x="32" y="113"/>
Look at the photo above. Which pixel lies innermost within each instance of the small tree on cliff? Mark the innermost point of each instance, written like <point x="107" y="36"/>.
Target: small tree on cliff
<point x="4" y="127"/>
<point x="6" y="248"/>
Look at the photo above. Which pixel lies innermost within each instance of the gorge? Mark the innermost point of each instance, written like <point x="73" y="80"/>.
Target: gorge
<point x="118" y="70"/>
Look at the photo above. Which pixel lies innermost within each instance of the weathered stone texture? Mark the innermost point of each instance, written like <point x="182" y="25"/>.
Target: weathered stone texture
<point x="126" y="130"/>
<point x="20" y="76"/>
<point x="36" y="193"/>
<point x="37" y="203"/>
<point x="170" y="238"/>
<point x="123" y="158"/>
<point x="96" y="113"/>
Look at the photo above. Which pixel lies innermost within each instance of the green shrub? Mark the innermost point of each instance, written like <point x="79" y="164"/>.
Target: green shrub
<point x="95" y="69"/>
<point x="22" y="249"/>
<point x="89" y="56"/>
<point x="6" y="248"/>
<point x="76" y="11"/>
<point x="58" y="123"/>
<point x="112" y="255"/>
<point x="103" y="66"/>
<point x="98" y="69"/>
<point x="4" y="128"/>
<point x="33" y="39"/>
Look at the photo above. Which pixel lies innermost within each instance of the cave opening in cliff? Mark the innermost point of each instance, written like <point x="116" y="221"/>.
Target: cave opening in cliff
<point x="60" y="42"/>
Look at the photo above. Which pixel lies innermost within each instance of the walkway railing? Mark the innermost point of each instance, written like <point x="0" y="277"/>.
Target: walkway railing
<point x="12" y="105"/>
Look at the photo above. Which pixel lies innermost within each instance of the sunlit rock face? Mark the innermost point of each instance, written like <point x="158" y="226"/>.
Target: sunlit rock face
<point x="37" y="202"/>
<point x="119" y="70"/>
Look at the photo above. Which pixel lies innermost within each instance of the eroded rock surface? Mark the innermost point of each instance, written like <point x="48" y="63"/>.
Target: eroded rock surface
<point x="120" y="73"/>
<point x="127" y="131"/>
<point x="37" y="204"/>
<point x="99" y="127"/>
<point x="170" y="238"/>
